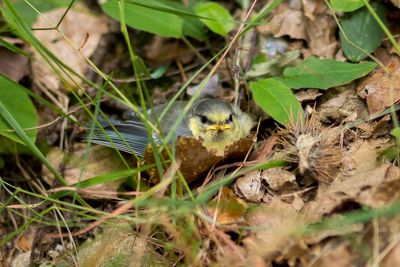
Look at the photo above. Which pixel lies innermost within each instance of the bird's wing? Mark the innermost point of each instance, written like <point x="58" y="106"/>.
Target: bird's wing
<point x="133" y="132"/>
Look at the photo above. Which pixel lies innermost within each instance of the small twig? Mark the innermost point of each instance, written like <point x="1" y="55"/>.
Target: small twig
<point x="181" y="70"/>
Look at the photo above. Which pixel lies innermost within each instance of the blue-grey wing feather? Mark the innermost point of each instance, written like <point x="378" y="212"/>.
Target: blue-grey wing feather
<point x="133" y="132"/>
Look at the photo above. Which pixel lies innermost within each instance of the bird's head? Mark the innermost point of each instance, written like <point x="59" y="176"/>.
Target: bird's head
<point x="218" y="123"/>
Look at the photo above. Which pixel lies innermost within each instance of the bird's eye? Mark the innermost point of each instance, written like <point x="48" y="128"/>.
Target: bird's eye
<point x="230" y="119"/>
<point x="203" y="119"/>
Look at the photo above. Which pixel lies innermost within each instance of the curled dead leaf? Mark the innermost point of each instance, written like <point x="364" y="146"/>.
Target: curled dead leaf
<point x="250" y="187"/>
<point x="196" y="160"/>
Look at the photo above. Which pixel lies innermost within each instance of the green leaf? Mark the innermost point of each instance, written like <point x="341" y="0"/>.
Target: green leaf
<point x="391" y="153"/>
<point x="215" y="17"/>
<point x="192" y="26"/>
<point x="148" y="16"/>
<point x="324" y="73"/>
<point x="363" y="31"/>
<point x="396" y="133"/>
<point x="29" y="14"/>
<point x="277" y="100"/>
<point x="346" y="5"/>
<point x="15" y="99"/>
<point x="13" y="48"/>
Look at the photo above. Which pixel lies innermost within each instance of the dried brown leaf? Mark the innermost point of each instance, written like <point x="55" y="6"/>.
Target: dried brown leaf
<point x="275" y="224"/>
<point x="14" y="66"/>
<point x="279" y="179"/>
<point x="307" y="95"/>
<point x="197" y="160"/>
<point x="381" y="89"/>
<point x="226" y="208"/>
<point x="285" y="21"/>
<point x="341" y="106"/>
<point x="83" y="32"/>
<point x="363" y="188"/>
<point x="250" y="187"/>
<point x="320" y="29"/>
<point x="101" y="160"/>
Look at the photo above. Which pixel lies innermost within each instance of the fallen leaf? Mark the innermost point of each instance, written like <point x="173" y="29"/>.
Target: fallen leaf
<point x="196" y="159"/>
<point x="358" y="188"/>
<point x="14" y="66"/>
<point x="25" y="240"/>
<point x="307" y="95"/>
<point x="275" y="224"/>
<point x="118" y="245"/>
<point x="22" y="259"/>
<point x="163" y="50"/>
<point x="83" y="32"/>
<point x="285" y="21"/>
<point x="362" y="155"/>
<point x="383" y="193"/>
<point x="101" y="160"/>
<point x="226" y="208"/>
<point x="274" y="66"/>
<point x="250" y="187"/>
<point x="279" y="179"/>
<point x="381" y="89"/>
<point x="343" y="104"/>
<point x="320" y="29"/>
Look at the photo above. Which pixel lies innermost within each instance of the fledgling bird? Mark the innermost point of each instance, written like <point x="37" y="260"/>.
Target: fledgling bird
<point x="217" y="123"/>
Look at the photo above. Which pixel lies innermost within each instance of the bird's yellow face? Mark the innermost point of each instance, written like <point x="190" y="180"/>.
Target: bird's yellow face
<point x="219" y="124"/>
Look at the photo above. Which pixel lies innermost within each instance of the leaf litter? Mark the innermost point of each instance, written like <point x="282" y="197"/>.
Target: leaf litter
<point x="263" y="217"/>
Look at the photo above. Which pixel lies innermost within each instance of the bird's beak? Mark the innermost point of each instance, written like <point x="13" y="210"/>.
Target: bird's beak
<point x="218" y="128"/>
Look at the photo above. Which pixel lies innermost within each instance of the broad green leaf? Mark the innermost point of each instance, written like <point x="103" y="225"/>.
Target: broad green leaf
<point x="277" y="100"/>
<point x="362" y="30"/>
<point x="8" y="146"/>
<point x="148" y="16"/>
<point x="29" y="14"/>
<point x="396" y="133"/>
<point x="215" y="17"/>
<point x="15" y="99"/>
<point x="324" y="73"/>
<point x="346" y="5"/>
<point x="192" y="26"/>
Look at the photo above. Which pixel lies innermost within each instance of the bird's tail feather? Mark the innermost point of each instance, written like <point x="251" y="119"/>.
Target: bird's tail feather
<point x="133" y="132"/>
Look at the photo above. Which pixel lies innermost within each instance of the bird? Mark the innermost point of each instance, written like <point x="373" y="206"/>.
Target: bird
<point x="216" y="123"/>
